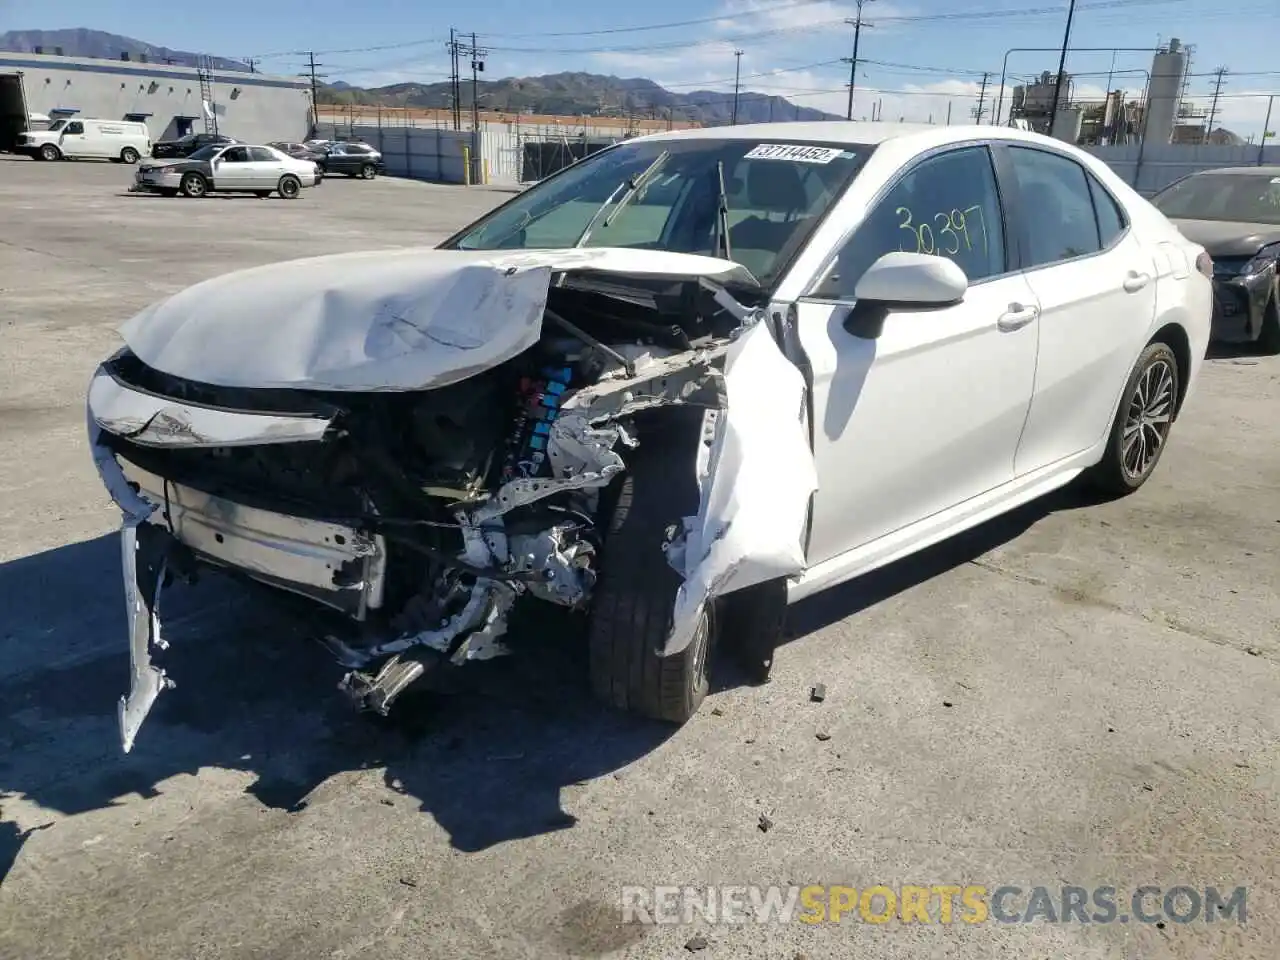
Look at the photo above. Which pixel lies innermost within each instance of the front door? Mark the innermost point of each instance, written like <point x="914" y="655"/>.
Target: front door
<point x="233" y="170"/>
<point x="1096" y="286"/>
<point x="73" y="141"/>
<point x="928" y="413"/>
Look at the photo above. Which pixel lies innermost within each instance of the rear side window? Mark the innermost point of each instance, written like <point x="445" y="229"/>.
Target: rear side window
<point x="1111" y="221"/>
<point x="261" y="155"/>
<point x="1057" y="207"/>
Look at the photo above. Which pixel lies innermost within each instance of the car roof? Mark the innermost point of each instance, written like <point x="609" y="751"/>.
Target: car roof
<point x="1271" y="170"/>
<point x="859" y="133"/>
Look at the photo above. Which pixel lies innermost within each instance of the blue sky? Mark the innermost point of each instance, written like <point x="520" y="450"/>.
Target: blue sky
<point x="919" y="59"/>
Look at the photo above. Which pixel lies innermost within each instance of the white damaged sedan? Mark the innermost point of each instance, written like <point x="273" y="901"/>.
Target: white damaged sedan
<point x="677" y="386"/>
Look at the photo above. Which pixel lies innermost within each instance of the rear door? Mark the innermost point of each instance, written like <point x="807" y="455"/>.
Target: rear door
<point x="266" y="168"/>
<point x="1095" y="283"/>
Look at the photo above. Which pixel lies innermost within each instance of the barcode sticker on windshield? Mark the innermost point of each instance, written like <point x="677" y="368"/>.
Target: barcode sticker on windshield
<point x="793" y="152"/>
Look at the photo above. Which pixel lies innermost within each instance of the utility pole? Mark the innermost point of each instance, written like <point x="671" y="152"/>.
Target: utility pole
<point x="477" y="67"/>
<point x="1266" y="131"/>
<point x="857" y="25"/>
<point x="737" y="75"/>
<point x="455" y="80"/>
<point x="1220" y="77"/>
<point x="982" y="98"/>
<point x="252" y="63"/>
<point x="1062" y="65"/>
<point x="311" y="72"/>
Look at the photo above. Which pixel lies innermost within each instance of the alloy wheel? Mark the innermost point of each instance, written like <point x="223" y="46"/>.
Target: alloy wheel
<point x="1148" y="419"/>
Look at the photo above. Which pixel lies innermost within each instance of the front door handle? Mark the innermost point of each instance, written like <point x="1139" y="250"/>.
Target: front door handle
<point x="1017" y="317"/>
<point x="1136" y="281"/>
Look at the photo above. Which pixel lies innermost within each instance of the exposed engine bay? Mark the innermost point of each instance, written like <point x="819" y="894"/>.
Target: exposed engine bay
<point x="425" y="516"/>
<point x="430" y="513"/>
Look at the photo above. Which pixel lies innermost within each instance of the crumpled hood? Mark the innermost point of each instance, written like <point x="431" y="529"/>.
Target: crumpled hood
<point x="1223" y="238"/>
<point x="379" y="320"/>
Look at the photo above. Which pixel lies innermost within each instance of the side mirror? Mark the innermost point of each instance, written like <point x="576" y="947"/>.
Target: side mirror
<point x="903" y="280"/>
<point x="912" y="279"/>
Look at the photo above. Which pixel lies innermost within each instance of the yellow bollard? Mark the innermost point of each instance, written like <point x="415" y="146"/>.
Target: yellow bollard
<point x="486" y="170"/>
<point x="466" y="166"/>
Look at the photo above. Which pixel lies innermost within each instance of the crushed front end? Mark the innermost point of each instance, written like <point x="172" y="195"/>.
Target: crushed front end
<point x="419" y="517"/>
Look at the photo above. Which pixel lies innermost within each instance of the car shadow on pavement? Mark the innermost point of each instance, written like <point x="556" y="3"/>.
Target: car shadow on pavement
<point x="487" y="756"/>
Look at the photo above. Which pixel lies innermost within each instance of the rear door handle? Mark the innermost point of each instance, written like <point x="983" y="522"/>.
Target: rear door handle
<point x="1136" y="281"/>
<point x="1017" y="317"/>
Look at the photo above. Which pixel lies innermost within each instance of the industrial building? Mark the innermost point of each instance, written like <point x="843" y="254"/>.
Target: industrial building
<point x="170" y="99"/>
<point x="1162" y="116"/>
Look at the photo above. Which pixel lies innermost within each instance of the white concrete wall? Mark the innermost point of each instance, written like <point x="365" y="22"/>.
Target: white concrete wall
<point x="251" y="106"/>
<point x="1159" y="165"/>
<point x="419" y="153"/>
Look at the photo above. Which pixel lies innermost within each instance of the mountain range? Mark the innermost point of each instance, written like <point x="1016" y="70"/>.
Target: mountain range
<point x="575" y="94"/>
<point x="560" y="94"/>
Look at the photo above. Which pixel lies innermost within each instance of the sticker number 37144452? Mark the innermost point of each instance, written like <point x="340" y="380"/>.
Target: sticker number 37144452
<point x="796" y="153"/>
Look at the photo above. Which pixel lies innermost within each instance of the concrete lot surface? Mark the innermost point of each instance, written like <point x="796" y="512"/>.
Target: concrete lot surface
<point x="1079" y="694"/>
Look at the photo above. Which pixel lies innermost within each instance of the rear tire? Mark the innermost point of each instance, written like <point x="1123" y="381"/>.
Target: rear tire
<point x="1269" y="335"/>
<point x="631" y="613"/>
<point x="129" y="155"/>
<point x="289" y="187"/>
<point x="49" y="152"/>
<point x="368" y="171"/>
<point x="1143" y="421"/>
<point x="194" y="186"/>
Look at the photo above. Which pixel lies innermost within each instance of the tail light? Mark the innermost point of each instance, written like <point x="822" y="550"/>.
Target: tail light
<point x="1204" y="263"/>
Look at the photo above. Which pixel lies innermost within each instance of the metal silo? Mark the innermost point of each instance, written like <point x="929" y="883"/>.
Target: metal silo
<point x="1167" y="69"/>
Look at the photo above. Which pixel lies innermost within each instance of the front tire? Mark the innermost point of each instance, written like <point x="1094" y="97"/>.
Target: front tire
<point x="289" y="187"/>
<point x="193" y="185"/>
<point x="1142" y="423"/>
<point x="1269" y="335"/>
<point x="50" y="152"/>
<point x="631" y="613"/>
<point x="129" y="155"/>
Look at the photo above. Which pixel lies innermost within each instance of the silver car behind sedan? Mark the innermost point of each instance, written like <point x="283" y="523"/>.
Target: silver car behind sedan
<point x="223" y="168"/>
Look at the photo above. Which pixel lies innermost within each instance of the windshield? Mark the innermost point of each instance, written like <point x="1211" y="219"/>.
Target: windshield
<point x="57" y="125"/>
<point x="665" y="195"/>
<point x="1243" y="197"/>
<point x="205" y="153"/>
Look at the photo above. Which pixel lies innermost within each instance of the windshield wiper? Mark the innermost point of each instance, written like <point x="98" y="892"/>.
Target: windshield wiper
<point x="631" y="186"/>
<point x="722" y="215"/>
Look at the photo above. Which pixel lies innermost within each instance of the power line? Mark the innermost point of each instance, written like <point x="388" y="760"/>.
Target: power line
<point x="753" y="12"/>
